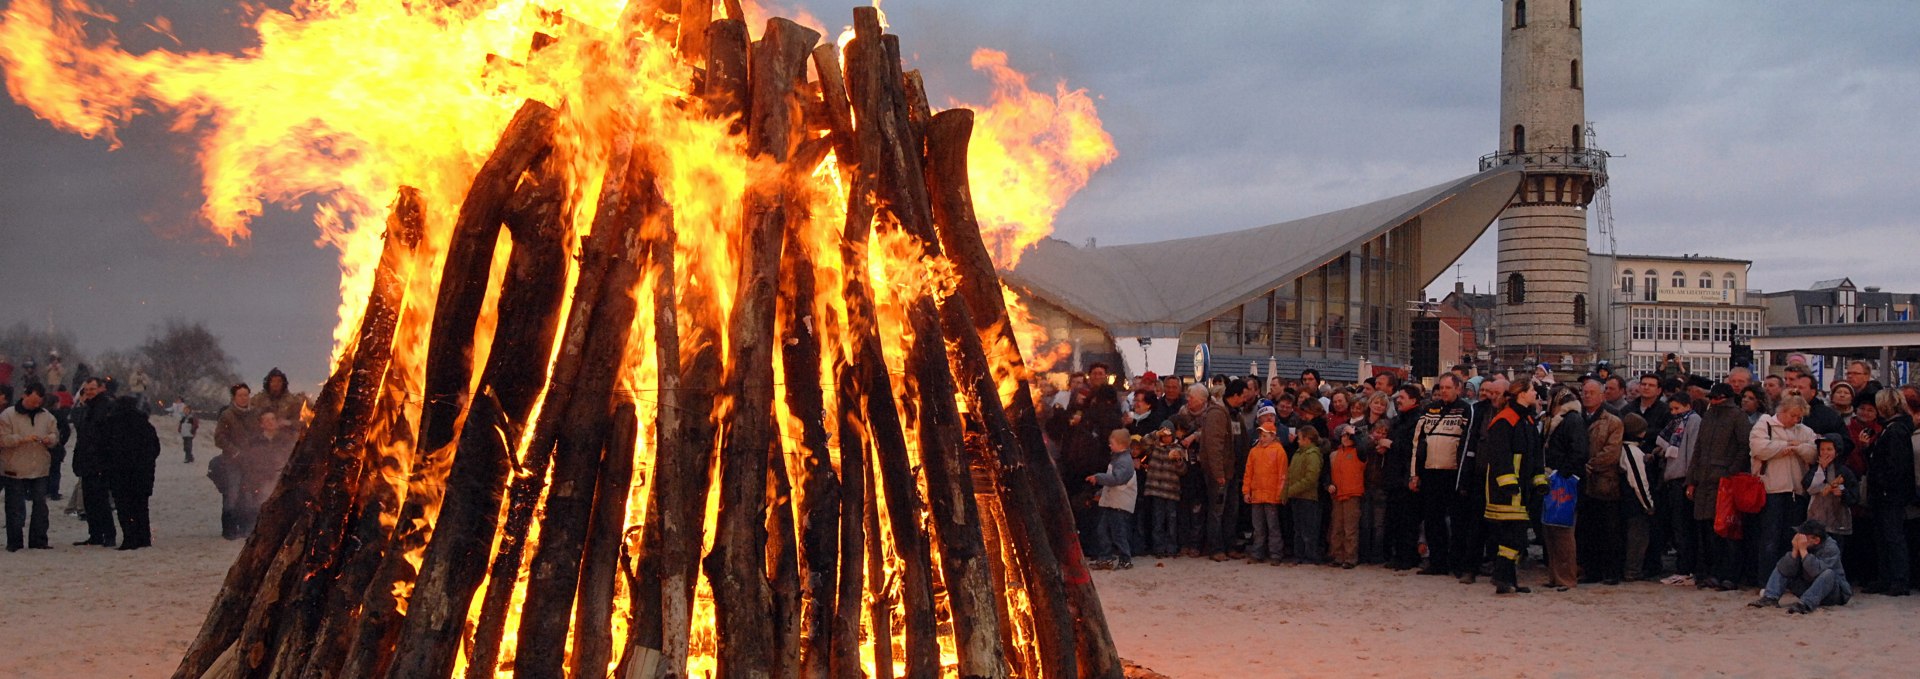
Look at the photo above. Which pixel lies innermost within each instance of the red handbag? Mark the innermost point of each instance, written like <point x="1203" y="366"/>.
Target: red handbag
<point x="1747" y="492"/>
<point x="1726" y="520"/>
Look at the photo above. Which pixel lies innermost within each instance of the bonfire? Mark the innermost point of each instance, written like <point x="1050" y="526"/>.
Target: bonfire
<point x="677" y="351"/>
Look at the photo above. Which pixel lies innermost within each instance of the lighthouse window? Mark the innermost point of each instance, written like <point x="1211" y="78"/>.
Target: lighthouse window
<point x="1579" y="309"/>
<point x="1519" y="138"/>
<point x="1520" y="14"/>
<point x="1579" y="142"/>
<point x="1573" y="13"/>
<point x="1516" y="288"/>
<point x="1574" y="68"/>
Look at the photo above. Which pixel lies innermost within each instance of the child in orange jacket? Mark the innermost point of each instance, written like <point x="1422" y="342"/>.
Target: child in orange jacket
<point x="1266" y="477"/>
<point x="1349" y="483"/>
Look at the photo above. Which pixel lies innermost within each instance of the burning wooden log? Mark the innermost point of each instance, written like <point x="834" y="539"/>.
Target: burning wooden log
<point x="823" y="545"/>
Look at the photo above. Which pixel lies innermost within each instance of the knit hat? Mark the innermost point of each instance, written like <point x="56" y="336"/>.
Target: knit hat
<point x="1263" y="411"/>
<point x="1634" y="425"/>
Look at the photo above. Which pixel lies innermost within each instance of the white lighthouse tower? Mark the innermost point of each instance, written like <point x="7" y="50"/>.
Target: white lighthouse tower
<point x="1543" y="305"/>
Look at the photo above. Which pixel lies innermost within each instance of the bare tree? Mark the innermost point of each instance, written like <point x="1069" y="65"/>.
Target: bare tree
<point x="183" y="360"/>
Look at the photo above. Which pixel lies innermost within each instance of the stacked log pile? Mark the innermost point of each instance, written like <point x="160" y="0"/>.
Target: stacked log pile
<point x="484" y="527"/>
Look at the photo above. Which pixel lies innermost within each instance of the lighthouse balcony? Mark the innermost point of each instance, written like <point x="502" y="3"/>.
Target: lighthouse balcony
<point x="1551" y="159"/>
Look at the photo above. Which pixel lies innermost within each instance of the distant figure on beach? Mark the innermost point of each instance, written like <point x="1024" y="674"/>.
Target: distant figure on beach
<point x="233" y="435"/>
<point x="27" y="429"/>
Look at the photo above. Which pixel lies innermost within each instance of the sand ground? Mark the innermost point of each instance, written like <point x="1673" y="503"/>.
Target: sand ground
<point x="84" y="612"/>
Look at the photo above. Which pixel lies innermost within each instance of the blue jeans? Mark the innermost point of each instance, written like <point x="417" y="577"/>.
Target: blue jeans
<point x="1113" y="533"/>
<point x="1829" y="588"/>
<point x="1771" y="528"/>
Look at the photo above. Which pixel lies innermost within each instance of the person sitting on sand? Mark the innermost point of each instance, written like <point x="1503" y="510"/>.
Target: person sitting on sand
<point x="1811" y="570"/>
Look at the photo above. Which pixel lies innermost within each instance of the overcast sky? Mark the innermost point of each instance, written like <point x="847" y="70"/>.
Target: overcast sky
<point x="1782" y="132"/>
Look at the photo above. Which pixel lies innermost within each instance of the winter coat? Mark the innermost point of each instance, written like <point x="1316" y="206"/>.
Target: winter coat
<point x="1604" y="443"/>
<point x="1442" y="436"/>
<point x="1349" y="473"/>
<point x="1721" y="451"/>
<point x="1510" y="450"/>
<point x="1834" y="511"/>
<point x="89" y="424"/>
<point x="1677" y="443"/>
<point x="1117" y="489"/>
<point x="23" y="442"/>
<point x="1266" y="479"/>
<point x="135" y="444"/>
<point x="235" y="430"/>
<point x="288" y="406"/>
<point x="1398" y="466"/>
<point x="1637" y="484"/>
<point x="1303" y="473"/>
<point x="1213" y="448"/>
<point x="1890" y="464"/>
<point x="1566" y="437"/>
<point x="1165" y="465"/>
<point x="1781" y="454"/>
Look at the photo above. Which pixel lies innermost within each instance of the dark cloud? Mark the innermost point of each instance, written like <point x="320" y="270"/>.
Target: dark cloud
<point x="1780" y="132"/>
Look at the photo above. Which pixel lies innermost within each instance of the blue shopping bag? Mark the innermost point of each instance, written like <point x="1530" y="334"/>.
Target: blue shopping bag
<point x="1563" y="491"/>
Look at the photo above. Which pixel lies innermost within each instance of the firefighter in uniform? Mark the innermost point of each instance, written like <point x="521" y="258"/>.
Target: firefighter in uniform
<point x="1510" y="451"/>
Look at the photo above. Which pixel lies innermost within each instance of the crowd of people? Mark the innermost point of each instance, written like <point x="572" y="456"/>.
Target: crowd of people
<point x="1772" y="485"/>
<point x="109" y="429"/>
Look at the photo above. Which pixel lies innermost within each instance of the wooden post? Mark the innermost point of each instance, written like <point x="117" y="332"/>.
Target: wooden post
<point x="819" y="499"/>
<point x="606" y="541"/>
<point x="1032" y="469"/>
<point x="736" y="566"/>
<point x="882" y="107"/>
<point x="947" y="140"/>
<point x="554" y="574"/>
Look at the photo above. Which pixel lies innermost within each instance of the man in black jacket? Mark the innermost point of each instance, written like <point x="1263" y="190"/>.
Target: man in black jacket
<point x="1403" y="504"/>
<point x="89" y="459"/>
<point x="1470" y="530"/>
<point x="129" y="469"/>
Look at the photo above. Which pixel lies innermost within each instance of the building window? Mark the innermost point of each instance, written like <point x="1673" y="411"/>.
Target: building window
<point x="1519" y="138"/>
<point x="1679" y="280"/>
<point x="1520" y="14"/>
<point x="1706" y="281"/>
<point x="1653" y="286"/>
<point x="1516" y="288"/>
<point x="1579" y="309"/>
<point x="1573" y="69"/>
<point x="1727" y="281"/>
<point x="1626" y="283"/>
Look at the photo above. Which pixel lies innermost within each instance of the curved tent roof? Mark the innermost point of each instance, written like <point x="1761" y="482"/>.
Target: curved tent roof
<point x="1102" y="284"/>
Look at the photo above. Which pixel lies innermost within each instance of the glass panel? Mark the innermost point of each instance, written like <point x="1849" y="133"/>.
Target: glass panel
<point x="1256" y="320"/>
<point x="1313" y="308"/>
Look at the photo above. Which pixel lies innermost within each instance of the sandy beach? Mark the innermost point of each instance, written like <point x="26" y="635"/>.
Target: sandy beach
<point x="76" y="612"/>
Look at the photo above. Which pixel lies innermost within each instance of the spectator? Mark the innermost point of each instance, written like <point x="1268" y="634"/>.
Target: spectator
<point x="1402" y="486"/>
<point x="91" y="460"/>
<point x="1890" y="490"/>
<point x="1566" y="456"/>
<point x="1370" y="432"/>
<point x="1781" y="447"/>
<point x="1841" y="398"/>
<point x="1755" y="402"/>
<point x="27" y="429"/>
<point x="1303" y="494"/>
<point x="1616" y="395"/>
<point x="1349" y="465"/>
<point x="1673" y="512"/>
<point x="1740" y="377"/>
<point x="233" y="435"/>
<point x="1812" y="569"/>
<point x="129" y="469"/>
<point x="1343" y="409"/>
<point x="188" y="427"/>
<point x="291" y="407"/>
<point x="1117" y="495"/>
<point x="1601" y="536"/>
<point x="1636" y="506"/>
<point x="1719" y="452"/>
<point x="1859" y="376"/>
<point x="1263" y="487"/>
<point x="1469" y="516"/>
<point x="1211" y="440"/>
<point x="1310" y="385"/>
<point x="1774" y="386"/>
<point x="1833" y="489"/>
<point x="1166" y="464"/>
<point x="1435" y="469"/>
